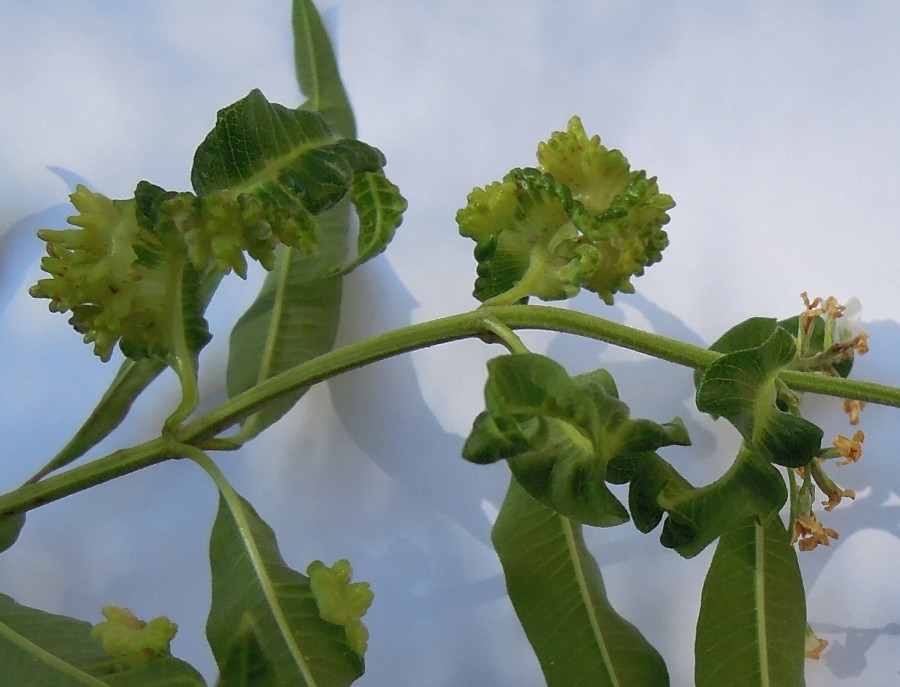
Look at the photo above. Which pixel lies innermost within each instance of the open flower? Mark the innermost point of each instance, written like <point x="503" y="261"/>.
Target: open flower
<point x="851" y="449"/>
<point x="834" y="497"/>
<point x="809" y="532"/>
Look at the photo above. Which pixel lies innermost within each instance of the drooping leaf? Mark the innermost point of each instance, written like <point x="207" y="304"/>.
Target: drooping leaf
<point x="751" y="487"/>
<point x="299" y="163"/>
<point x="317" y="70"/>
<point x="557" y="591"/>
<point x="559" y="434"/>
<point x="751" y="628"/>
<point x="252" y="586"/>
<point x="130" y="381"/>
<point x="39" y="649"/>
<point x="743" y="387"/>
<point x="293" y="319"/>
<point x="295" y="316"/>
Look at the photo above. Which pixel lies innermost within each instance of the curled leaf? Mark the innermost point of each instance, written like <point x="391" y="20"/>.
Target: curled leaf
<point x="130" y="641"/>
<point x="559" y="435"/>
<point x="582" y="219"/>
<point x="340" y="601"/>
<point x="743" y="387"/>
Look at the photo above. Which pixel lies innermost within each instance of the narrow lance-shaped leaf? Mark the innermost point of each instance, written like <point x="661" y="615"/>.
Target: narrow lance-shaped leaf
<point x="317" y="70"/>
<point x="293" y="319"/>
<point x="558" y="594"/>
<point x="39" y="649"/>
<point x="752" y="611"/>
<point x="130" y="381"/>
<point x="296" y="314"/>
<point x="252" y="587"/>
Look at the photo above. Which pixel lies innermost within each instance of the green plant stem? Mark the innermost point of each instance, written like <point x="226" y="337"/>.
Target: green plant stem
<point x="203" y="430"/>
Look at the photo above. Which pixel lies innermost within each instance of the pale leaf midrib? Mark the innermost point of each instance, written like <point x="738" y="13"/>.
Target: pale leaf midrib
<point x="759" y="589"/>
<point x="245" y="531"/>
<point x="587" y="601"/>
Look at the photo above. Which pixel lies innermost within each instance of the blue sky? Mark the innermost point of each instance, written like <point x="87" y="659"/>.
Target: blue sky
<point x="773" y="125"/>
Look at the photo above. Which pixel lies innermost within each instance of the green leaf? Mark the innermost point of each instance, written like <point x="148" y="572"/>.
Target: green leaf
<point x="130" y="381"/>
<point x="559" y="434"/>
<point x="582" y="219"/>
<point x="696" y="516"/>
<point x="752" y="611"/>
<point x="132" y="642"/>
<point x="743" y="387"/>
<point x="246" y="665"/>
<point x="558" y="594"/>
<point x="10" y="528"/>
<point x="293" y="319"/>
<point x="317" y="70"/>
<point x="299" y="168"/>
<point x="380" y="208"/>
<point x="252" y="585"/>
<point x="295" y="316"/>
<point x="39" y="649"/>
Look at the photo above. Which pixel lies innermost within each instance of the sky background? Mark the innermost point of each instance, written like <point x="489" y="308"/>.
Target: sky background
<point x="773" y="125"/>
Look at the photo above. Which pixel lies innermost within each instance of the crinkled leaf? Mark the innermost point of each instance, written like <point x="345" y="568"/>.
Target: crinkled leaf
<point x="558" y="594"/>
<point x="559" y="434"/>
<point x="341" y="601"/>
<point x="286" y="155"/>
<point x="253" y="586"/>
<point x="697" y="516"/>
<point x="380" y="208"/>
<point x="752" y="611"/>
<point x="582" y="219"/>
<point x="743" y="387"/>
<point x="130" y="641"/>
<point x="295" y="316"/>
<point x="39" y="649"/>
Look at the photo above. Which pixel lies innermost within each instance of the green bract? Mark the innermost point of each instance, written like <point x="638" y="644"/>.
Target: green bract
<point x="582" y="219"/>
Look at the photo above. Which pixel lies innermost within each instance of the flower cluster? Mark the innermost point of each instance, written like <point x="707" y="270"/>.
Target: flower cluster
<point x="823" y="348"/>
